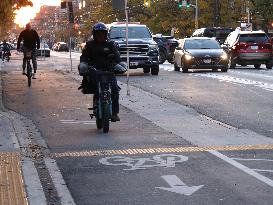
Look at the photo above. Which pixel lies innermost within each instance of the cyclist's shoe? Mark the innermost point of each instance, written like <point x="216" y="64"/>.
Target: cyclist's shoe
<point x="33" y="76"/>
<point x="24" y="72"/>
<point x="115" y="118"/>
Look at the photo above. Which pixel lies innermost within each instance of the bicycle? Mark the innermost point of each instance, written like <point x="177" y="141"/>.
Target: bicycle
<point x="6" y="56"/>
<point x="102" y="102"/>
<point x="28" y="56"/>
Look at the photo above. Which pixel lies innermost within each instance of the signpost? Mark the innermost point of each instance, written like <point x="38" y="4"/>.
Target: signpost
<point x="123" y="5"/>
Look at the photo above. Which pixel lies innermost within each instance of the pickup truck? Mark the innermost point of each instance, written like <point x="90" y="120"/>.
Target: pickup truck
<point x="143" y="50"/>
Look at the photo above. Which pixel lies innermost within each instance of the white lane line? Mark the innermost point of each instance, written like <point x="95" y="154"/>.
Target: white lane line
<point x="231" y="79"/>
<point x="244" y="159"/>
<point x="263" y="170"/>
<point x="243" y="168"/>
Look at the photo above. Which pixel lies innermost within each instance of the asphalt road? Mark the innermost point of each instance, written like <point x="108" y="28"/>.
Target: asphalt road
<point x="147" y="158"/>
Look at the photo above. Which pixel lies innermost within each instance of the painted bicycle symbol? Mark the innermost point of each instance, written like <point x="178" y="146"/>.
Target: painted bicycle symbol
<point x="163" y="160"/>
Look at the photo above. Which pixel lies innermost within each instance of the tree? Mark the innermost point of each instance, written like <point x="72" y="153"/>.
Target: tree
<point x="7" y="8"/>
<point x="263" y="8"/>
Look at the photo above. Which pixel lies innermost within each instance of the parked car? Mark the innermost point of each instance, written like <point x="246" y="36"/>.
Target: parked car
<point x="249" y="48"/>
<point x="143" y="50"/>
<point x="60" y="46"/>
<point x="166" y="45"/>
<point x="200" y="53"/>
<point x="43" y="51"/>
<point x="219" y="33"/>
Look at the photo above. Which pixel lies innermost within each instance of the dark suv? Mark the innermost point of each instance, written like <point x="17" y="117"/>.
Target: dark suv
<point x="166" y="45"/>
<point x="219" y="33"/>
<point x="143" y="50"/>
<point x="249" y="48"/>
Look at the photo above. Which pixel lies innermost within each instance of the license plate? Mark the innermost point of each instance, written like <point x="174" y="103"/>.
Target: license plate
<point x="207" y="60"/>
<point x="254" y="47"/>
<point x="133" y="63"/>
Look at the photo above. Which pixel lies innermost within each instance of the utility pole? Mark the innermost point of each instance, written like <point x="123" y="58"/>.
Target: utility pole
<point x="216" y="13"/>
<point x="196" y="14"/>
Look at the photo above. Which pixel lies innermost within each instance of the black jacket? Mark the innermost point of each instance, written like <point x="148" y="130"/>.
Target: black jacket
<point x="30" y="39"/>
<point x="97" y="54"/>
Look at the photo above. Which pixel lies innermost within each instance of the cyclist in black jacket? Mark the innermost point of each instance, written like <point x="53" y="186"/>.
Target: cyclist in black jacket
<point x="5" y="50"/>
<point x="31" y="41"/>
<point x="96" y="53"/>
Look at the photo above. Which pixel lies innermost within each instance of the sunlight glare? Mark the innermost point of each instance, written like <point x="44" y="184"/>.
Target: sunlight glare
<point x="25" y="14"/>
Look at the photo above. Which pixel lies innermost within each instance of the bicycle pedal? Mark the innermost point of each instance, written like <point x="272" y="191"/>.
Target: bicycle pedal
<point x="92" y="116"/>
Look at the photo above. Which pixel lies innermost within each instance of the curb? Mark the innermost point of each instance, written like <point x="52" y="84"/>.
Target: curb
<point x="22" y="142"/>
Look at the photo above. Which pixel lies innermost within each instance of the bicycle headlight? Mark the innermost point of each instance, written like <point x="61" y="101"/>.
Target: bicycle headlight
<point x="224" y="56"/>
<point x="188" y="57"/>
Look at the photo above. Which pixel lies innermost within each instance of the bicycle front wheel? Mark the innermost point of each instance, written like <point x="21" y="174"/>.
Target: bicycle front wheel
<point x="105" y="118"/>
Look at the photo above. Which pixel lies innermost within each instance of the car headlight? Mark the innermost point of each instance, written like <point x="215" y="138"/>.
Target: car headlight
<point x="188" y="57"/>
<point x="224" y="56"/>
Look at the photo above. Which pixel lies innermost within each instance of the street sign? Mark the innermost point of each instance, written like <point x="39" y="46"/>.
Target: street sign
<point x="118" y="5"/>
<point x="177" y="186"/>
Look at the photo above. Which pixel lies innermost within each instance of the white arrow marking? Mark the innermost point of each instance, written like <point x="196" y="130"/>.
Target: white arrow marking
<point x="177" y="186"/>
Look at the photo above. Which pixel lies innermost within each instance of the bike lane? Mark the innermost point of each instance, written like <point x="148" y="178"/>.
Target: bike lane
<point x="191" y="177"/>
<point x="143" y="174"/>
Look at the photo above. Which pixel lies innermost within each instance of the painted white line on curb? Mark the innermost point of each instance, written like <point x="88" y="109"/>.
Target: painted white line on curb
<point x="34" y="189"/>
<point x="59" y="183"/>
<point x="243" y="168"/>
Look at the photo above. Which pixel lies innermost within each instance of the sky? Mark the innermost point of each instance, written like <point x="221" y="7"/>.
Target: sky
<point x="24" y="15"/>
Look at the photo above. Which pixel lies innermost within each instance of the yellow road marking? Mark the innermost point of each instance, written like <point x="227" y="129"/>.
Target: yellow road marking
<point x="137" y="151"/>
<point x="12" y="190"/>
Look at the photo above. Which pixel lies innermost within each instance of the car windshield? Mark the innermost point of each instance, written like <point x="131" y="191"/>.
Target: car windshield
<point x="219" y="33"/>
<point x="133" y="32"/>
<point x="254" y="38"/>
<point x="222" y="33"/>
<point x="201" y="44"/>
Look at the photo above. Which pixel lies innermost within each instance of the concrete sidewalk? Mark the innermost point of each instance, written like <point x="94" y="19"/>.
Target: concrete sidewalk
<point x="19" y="179"/>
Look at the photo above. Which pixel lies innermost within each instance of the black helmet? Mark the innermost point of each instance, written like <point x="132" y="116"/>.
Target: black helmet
<point x="99" y="27"/>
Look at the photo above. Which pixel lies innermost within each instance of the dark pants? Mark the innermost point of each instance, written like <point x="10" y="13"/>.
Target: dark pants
<point x="34" y="61"/>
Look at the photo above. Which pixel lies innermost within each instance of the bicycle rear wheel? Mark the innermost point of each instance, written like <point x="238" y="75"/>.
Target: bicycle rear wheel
<point x="29" y="74"/>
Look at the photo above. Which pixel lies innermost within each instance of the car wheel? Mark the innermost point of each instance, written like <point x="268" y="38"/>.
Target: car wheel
<point x="176" y="68"/>
<point x="224" y="69"/>
<point x="162" y="56"/>
<point x="171" y="58"/>
<point x="231" y="64"/>
<point x="257" y="66"/>
<point x="155" y="70"/>
<point x="269" y="66"/>
<point x="185" y="70"/>
<point x="146" y="70"/>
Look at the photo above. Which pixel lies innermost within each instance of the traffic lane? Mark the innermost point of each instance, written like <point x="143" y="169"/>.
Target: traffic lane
<point x="241" y="106"/>
<point x="214" y="180"/>
<point x="259" y="161"/>
<point x="60" y="112"/>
